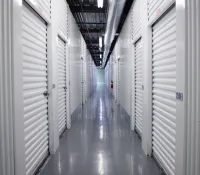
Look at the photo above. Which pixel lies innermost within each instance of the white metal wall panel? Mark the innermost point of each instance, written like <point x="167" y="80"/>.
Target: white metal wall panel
<point x="75" y="63"/>
<point x="34" y="85"/>
<point x="118" y="80"/>
<point x="82" y="80"/>
<point x="193" y="87"/>
<point x="6" y="91"/>
<point x="62" y="86"/>
<point x="124" y="51"/>
<point x="136" y="20"/>
<point x="164" y="91"/>
<point x="138" y="87"/>
<point x="114" y="78"/>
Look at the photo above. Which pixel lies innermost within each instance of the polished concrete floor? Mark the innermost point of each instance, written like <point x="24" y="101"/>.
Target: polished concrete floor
<point x="100" y="143"/>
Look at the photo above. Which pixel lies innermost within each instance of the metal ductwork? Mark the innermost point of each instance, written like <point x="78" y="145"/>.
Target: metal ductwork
<point x="114" y="14"/>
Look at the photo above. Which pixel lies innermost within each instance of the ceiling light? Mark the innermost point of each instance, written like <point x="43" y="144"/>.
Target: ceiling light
<point x="100" y="56"/>
<point x="100" y="42"/>
<point x="100" y="3"/>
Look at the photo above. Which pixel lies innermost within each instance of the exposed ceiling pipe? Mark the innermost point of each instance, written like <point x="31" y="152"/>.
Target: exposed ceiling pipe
<point x="114" y="14"/>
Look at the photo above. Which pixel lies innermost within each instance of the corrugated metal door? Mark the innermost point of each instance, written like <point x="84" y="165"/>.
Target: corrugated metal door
<point x="164" y="91"/>
<point x="63" y="17"/>
<point x="154" y="7"/>
<point x="138" y="87"/>
<point x="44" y="6"/>
<point x="62" y="86"/>
<point x="136" y="20"/>
<point x="35" y="89"/>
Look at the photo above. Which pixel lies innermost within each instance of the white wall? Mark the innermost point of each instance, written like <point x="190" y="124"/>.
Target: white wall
<point x="6" y="107"/>
<point x="88" y="64"/>
<point x="60" y="22"/>
<point x="126" y="58"/>
<point x="124" y="51"/>
<point x="192" y="35"/>
<point x="122" y="54"/>
<point x="75" y="63"/>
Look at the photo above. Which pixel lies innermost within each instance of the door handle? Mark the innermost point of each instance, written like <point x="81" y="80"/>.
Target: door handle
<point x="46" y="94"/>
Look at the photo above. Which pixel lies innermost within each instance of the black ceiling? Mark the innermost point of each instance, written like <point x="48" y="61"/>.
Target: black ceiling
<point x="92" y="23"/>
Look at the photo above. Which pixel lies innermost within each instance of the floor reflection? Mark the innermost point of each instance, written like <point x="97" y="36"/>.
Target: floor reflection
<point x="100" y="143"/>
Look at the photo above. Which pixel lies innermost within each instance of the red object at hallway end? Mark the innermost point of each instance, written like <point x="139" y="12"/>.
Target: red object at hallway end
<point x="111" y="85"/>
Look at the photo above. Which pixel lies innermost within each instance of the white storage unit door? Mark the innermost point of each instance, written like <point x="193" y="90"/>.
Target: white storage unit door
<point x="164" y="91"/>
<point x="62" y="86"/>
<point x="138" y="87"/>
<point x="34" y="32"/>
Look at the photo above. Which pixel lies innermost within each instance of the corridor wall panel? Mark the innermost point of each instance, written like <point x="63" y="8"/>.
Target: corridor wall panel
<point x="6" y="91"/>
<point x="84" y="59"/>
<point x="88" y="64"/>
<point x="114" y="77"/>
<point x="193" y="87"/>
<point x="125" y="53"/>
<point x="164" y="91"/>
<point x="75" y="63"/>
<point x="35" y="85"/>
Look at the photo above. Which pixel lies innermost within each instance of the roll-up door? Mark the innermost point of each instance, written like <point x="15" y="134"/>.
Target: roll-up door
<point x="154" y="7"/>
<point x="164" y="91"/>
<point x="138" y="87"/>
<point x="35" y="89"/>
<point x="63" y="17"/>
<point x="45" y="6"/>
<point x="136" y="20"/>
<point x="62" y="85"/>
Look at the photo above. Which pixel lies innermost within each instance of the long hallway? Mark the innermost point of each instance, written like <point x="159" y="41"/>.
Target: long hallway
<point x="100" y="143"/>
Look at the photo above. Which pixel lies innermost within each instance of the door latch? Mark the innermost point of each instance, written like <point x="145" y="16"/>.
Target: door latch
<point x="46" y="94"/>
<point x="179" y="96"/>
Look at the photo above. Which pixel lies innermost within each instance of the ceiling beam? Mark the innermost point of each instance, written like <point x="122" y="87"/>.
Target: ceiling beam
<point x="98" y="59"/>
<point x="93" y="44"/>
<point x="87" y="9"/>
<point x="95" y="52"/>
<point x="92" y="30"/>
<point x="81" y="23"/>
<point x="92" y="40"/>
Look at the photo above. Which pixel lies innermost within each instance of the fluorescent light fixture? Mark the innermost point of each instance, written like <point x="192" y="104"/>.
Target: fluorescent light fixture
<point x="100" y="3"/>
<point x="100" y="56"/>
<point x="100" y="42"/>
